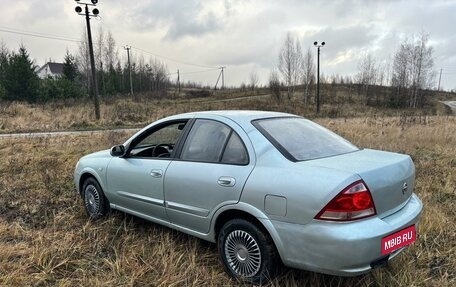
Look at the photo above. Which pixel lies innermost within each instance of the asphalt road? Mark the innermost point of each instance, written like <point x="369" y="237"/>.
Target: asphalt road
<point x="66" y="133"/>
<point x="451" y="104"/>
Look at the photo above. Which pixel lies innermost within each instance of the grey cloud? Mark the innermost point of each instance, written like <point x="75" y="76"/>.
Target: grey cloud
<point x="193" y="27"/>
<point x="339" y="40"/>
<point x="248" y="54"/>
<point x="178" y="18"/>
<point x="39" y="11"/>
<point x="249" y="33"/>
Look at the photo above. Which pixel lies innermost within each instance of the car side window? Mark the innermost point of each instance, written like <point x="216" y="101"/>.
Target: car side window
<point x="235" y="152"/>
<point x="205" y="141"/>
<point x="159" y="142"/>
<point x="212" y="141"/>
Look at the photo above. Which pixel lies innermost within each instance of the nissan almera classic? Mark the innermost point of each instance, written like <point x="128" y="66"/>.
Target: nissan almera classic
<point x="267" y="187"/>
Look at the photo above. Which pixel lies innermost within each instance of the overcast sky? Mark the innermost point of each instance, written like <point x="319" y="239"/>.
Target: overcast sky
<point x="241" y="35"/>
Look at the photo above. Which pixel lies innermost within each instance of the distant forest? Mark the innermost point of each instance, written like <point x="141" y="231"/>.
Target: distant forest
<point x="19" y="81"/>
<point x="410" y="74"/>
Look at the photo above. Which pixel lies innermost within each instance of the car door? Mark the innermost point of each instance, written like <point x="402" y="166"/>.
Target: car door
<point x="135" y="181"/>
<point x="211" y="172"/>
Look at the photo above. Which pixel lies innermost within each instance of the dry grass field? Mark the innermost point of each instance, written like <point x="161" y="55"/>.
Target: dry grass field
<point x="47" y="240"/>
<point x="125" y="112"/>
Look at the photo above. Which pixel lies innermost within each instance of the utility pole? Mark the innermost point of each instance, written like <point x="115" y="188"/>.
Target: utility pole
<point x="223" y="78"/>
<point x="178" y="81"/>
<point x="318" y="73"/>
<point x="87" y="15"/>
<point x="440" y="78"/>
<point x="126" y="47"/>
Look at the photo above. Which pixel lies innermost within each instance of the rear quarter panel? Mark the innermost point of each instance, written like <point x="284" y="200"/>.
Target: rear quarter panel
<point x="306" y="189"/>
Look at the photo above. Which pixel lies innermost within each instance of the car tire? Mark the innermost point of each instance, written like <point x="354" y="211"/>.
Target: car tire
<point x="247" y="252"/>
<point x="95" y="202"/>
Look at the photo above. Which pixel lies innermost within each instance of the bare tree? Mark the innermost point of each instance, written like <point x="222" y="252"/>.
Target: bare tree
<point x="367" y="75"/>
<point x="253" y="79"/>
<point x="83" y="60"/>
<point x="274" y="85"/>
<point x="386" y="70"/>
<point x="380" y="69"/>
<point x="110" y="56"/>
<point x="158" y="76"/>
<point x="141" y="71"/>
<point x="290" y="60"/>
<point x="308" y="73"/>
<point x="400" y="73"/>
<point x="298" y="64"/>
<point x="110" y="52"/>
<point x="99" y="49"/>
<point x="413" y="71"/>
<point x="99" y="65"/>
<point x="422" y="69"/>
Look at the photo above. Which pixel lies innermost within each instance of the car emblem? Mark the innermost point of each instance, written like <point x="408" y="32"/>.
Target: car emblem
<point x="404" y="188"/>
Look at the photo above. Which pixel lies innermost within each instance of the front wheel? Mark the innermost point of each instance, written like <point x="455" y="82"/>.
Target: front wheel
<point x="247" y="252"/>
<point x="95" y="202"/>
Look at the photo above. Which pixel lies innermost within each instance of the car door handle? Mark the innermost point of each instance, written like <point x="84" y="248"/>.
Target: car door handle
<point x="156" y="173"/>
<point x="226" y="181"/>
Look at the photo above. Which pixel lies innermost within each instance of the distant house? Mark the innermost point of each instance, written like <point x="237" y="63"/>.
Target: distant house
<point x="50" y="69"/>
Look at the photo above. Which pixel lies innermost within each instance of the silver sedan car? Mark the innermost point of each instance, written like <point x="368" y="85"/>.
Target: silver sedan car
<point x="267" y="187"/>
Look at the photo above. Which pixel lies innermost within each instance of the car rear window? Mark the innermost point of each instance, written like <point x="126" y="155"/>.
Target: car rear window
<point x="299" y="139"/>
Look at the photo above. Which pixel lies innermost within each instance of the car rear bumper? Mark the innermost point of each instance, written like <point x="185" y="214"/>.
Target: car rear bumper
<point x="344" y="249"/>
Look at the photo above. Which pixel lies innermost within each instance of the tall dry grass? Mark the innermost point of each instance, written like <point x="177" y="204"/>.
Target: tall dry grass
<point x="126" y="112"/>
<point x="47" y="240"/>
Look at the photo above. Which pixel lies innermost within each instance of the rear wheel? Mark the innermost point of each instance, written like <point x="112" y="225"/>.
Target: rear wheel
<point x="247" y="252"/>
<point x="95" y="202"/>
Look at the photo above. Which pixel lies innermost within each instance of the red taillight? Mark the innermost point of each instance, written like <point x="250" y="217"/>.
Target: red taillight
<point x="354" y="202"/>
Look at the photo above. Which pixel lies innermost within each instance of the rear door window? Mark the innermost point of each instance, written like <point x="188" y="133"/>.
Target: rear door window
<point x="214" y="142"/>
<point x="205" y="141"/>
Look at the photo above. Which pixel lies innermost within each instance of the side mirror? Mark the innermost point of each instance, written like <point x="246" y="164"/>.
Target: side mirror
<point x="118" y="150"/>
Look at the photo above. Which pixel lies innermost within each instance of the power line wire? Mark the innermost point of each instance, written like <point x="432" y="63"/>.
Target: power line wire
<point x="197" y="72"/>
<point x="34" y="32"/>
<point x="173" y="60"/>
<point x="63" y="38"/>
<point x="168" y="58"/>
<point x="39" y="35"/>
<point x="193" y="72"/>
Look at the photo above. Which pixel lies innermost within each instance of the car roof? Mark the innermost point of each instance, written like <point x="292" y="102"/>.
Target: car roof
<point x="239" y="116"/>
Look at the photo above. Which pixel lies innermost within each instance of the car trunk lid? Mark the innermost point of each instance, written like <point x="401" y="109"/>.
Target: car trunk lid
<point x="389" y="176"/>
